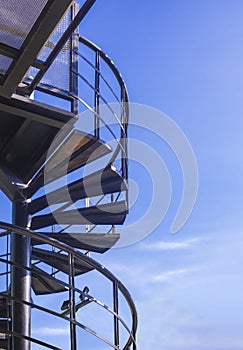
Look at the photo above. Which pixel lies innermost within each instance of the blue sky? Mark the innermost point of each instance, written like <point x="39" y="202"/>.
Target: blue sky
<point x="184" y="58"/>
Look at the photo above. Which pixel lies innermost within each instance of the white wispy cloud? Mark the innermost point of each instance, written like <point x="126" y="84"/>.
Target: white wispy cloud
<point x="52" y="331"/>
<point x="169" y="275"/>
<point x="170" y="245"/>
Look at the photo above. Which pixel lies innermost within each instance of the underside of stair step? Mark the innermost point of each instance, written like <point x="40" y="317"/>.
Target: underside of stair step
<point x="101" y="182"/>
<point x="27" y="129"/>
<point x="76" y="151"/>
<point x="4" y="342"/>
<point x="98" y="243"/>
<point x="43" y="283"/>
<point x="5" y="325"/>
<point x="60" y="261"/>
<point x="105" y="214"/>
<point x="4" y="307"/>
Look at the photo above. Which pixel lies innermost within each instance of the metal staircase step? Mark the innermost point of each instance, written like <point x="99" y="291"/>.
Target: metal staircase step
<point x="5" y="322"/>
<point x="105" y="214"/>
<point x="77" y="150"/>
<point x="27" y="129"/>
<point x="94" y="242"/>
<point x="43" y="283"/>
<point x="104" y="181"/>
<point x="5" y="325"/>
<point x="4" y="307"/>
<point x="4" y="344"/>
<point x="60" y="261"/>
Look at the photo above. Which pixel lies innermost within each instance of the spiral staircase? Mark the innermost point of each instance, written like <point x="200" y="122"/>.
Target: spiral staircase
<point x="64" y="166"/>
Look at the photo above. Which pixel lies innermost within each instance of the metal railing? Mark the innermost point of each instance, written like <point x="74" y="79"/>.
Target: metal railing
<point x="98" y="94"/>
<point x="103" y="93"/>
<point x="70" y="314"/>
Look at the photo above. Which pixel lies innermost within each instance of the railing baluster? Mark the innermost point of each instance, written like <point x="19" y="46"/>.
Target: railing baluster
<point x="116" y="321"/>
<point x="70" y="314"/>
<point x="113" y="229"/>
<point x="124" y="150"/>
<point x="97" y="96"/>
<point x="72" y="303"/>
<point x="123" y="136"/>
<point x="7" y="266"/>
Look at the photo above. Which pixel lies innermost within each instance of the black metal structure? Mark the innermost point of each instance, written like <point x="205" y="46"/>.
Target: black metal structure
<point x="46" y="249"/>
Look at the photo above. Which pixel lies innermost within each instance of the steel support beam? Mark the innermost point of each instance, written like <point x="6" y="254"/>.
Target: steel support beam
<point x="20" y="279"/>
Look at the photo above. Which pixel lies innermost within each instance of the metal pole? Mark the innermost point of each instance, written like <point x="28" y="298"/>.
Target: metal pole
<point x="72" y="303"/>
<point x="123" y="137"/>
<point x="134" y="336"/>
<point x="20" y="278"/>
<point x="124" y="152"/>
<point x="115" y="308"/>
<point x="97" y="96"/>
<point x="112" y="201"/>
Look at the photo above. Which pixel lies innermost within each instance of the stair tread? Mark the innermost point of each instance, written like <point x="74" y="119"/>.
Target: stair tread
<point x="60" y="261"/>
<point x="94" y="242"/>
<point x="43" y="283"/>
<point x="103" y="181"/>
<point x="105" y="214"/>
<point x="77" y="150"/>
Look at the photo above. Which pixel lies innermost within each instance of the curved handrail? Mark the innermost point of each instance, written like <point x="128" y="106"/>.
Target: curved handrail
<point x="108" y="61"/>
<point x="124" y="100"/>
<point x="92" y="263"/>
<point x="121" y="149"/>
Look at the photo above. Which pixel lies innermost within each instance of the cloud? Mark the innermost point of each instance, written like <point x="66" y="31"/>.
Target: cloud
<point x="165" y="324"/>
<point x="172" y="245"/>
<point x="52" y="331"/>
<point x="170" y="326"/>
<point x="168" y="275"/>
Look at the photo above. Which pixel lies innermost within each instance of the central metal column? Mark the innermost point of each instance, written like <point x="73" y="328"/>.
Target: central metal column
<point x="20" y="278"/>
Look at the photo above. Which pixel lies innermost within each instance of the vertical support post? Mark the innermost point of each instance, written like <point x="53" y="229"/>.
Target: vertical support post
<point x="115" y="309"/>
<point x="123" y="135"/>
<point x="134" y="347"/>
<point x="97" y="96"/>
<point x="87" y="204"/>
<point x="7" y="265"/>
<point x="124" y="151"/>
<point x="74" y="61"/>
<point x="112" y="201"/>
<point x="72" y="303"/>
<point x="87" y="226"/>
<point x="20" y="278"/>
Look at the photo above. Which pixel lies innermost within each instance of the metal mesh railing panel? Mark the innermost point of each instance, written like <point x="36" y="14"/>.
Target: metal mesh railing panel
<point x="17" y="18"/>
<point x="58" y="74"/>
